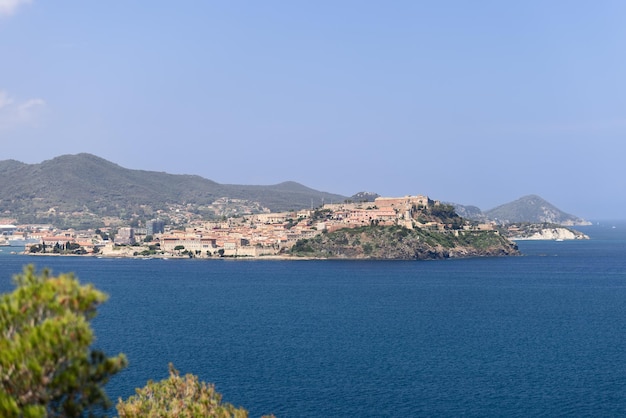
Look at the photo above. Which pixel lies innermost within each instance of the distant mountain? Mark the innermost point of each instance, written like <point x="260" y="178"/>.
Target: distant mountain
<point x="529" y="209"/>
<point x="532" y="209"/>
<point x="85" y="183"/>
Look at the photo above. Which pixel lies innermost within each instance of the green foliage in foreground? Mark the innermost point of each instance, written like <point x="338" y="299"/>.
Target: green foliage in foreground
<point x="178" y="396"/>
<point x="47" y="367"/>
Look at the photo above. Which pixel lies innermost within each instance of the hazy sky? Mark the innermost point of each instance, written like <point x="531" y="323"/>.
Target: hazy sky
<point x="475" y="102"/>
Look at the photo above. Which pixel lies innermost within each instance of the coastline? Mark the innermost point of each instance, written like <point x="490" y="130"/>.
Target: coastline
<point x="268" y="257"/>
<point x="173" y="257"/>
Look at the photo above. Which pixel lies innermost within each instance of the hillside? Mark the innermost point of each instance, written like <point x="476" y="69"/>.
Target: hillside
<point x="396" y="242"/>
<point x="92" y="187"/>
<point x="427" y="231"/>
<point x="532" y="209"/>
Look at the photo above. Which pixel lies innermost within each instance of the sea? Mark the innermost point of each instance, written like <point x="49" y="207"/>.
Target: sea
<point x="542" y="334"/>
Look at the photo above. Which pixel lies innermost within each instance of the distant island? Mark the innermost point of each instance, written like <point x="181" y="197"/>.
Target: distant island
<point x="84" y="205"/>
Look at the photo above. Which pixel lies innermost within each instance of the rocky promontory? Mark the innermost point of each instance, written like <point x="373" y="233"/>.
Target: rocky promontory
<point x="400" y="243"/>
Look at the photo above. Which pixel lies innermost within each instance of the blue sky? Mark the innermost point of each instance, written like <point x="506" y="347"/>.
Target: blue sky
<point x="472" y="102"/>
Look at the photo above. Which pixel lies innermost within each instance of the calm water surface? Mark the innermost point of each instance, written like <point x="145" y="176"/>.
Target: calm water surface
<point x="541" y="334"/>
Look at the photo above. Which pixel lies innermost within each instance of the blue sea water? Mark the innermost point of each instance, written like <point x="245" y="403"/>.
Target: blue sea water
<point x="540" y="334"/>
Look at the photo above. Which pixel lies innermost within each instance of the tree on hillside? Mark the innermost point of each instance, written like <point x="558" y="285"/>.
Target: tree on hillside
<point x="47" y="365"/>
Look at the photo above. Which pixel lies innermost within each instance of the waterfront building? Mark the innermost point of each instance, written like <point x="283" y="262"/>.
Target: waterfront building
<point x="125" y="236"/>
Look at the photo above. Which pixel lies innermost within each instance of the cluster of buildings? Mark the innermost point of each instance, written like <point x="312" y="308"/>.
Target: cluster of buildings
<point x="254" y="235"/>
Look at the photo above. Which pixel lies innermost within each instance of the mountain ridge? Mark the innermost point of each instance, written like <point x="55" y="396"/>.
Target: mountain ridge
<point x="88" y="183"/>
<point x="95" y="187"/>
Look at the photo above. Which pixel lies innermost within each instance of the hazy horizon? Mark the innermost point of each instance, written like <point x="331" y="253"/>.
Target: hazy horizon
<point x="474" y="103"/>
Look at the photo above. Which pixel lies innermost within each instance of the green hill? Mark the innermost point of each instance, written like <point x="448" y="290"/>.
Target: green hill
<point x="91" y="186"/>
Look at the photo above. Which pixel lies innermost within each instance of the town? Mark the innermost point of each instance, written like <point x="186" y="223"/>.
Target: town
<point x="251" y="235"/>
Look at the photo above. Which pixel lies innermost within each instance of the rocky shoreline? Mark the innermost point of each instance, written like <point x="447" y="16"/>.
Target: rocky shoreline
<point x="545" y="232"/>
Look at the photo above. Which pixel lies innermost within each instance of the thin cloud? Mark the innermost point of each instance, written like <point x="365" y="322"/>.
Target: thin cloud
<point x="17" y="112"/>
<point x="30" y="104"/>
<point x="9" y="7"/>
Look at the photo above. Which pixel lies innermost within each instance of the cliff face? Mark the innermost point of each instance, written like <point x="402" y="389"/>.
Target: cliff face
<point x="398" y="243"/>
<point x="536" y="232"/>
